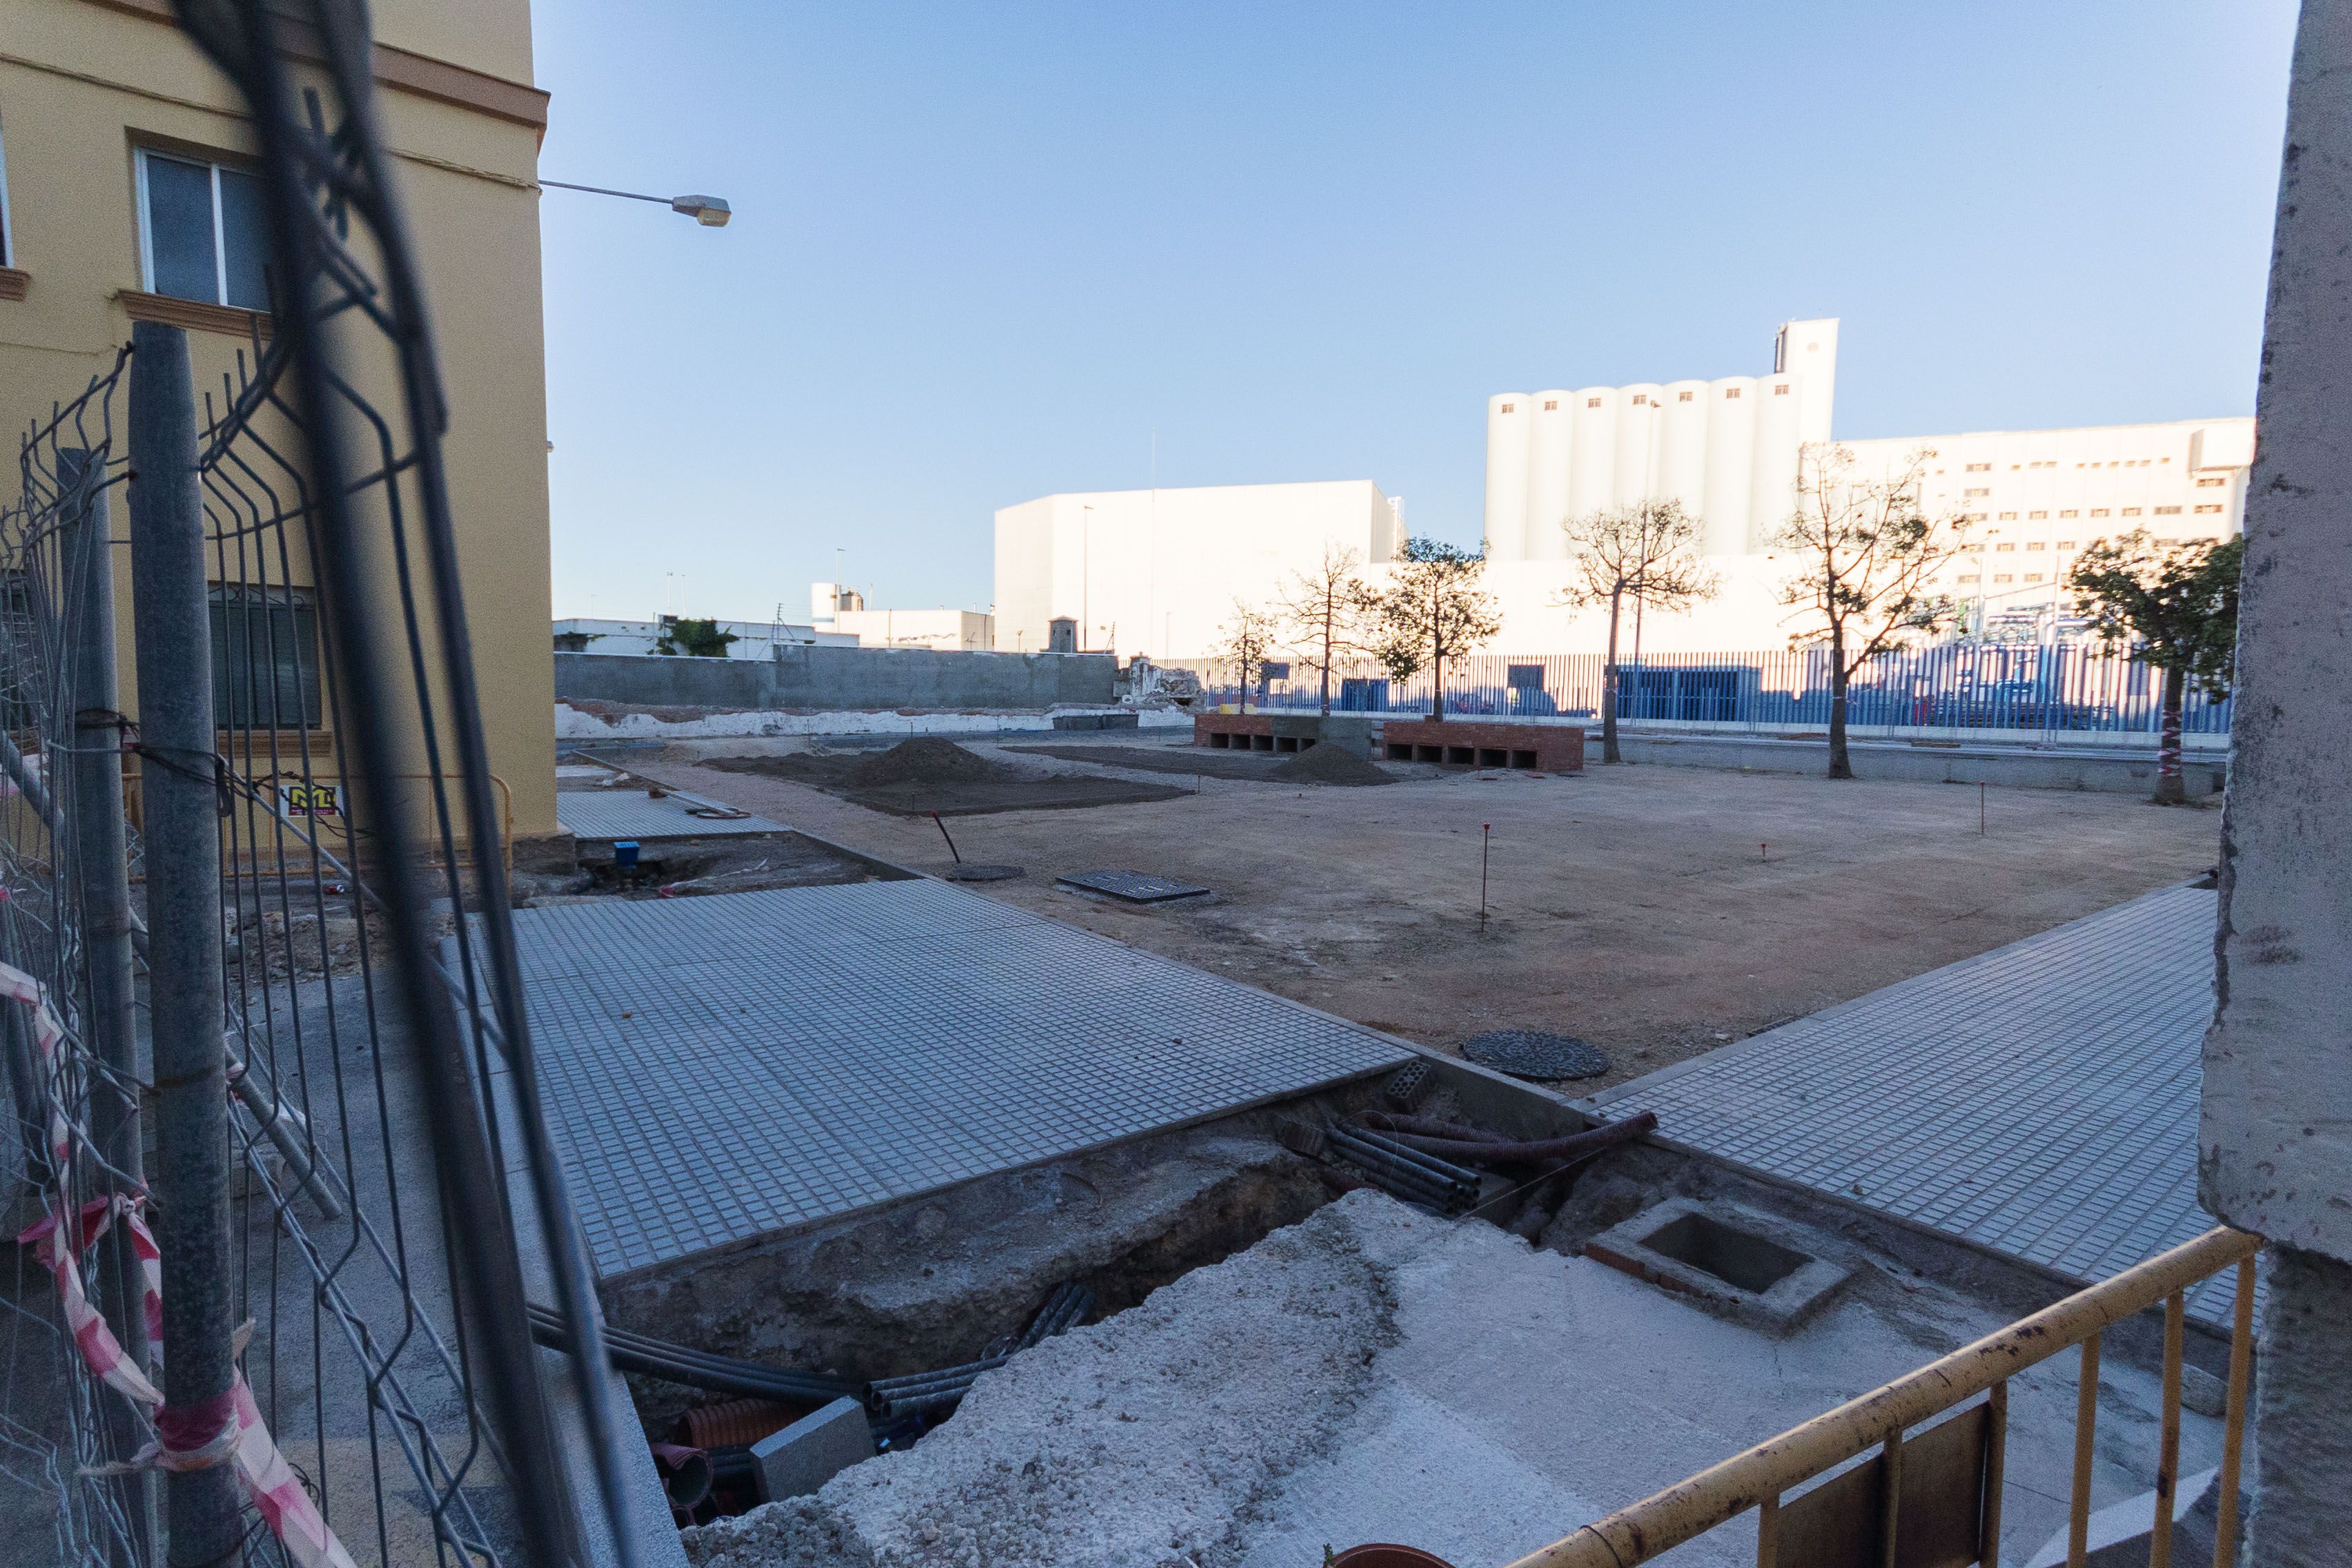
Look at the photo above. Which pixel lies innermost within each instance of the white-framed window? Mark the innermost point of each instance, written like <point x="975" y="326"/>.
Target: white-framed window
<point x="201" y="231"/>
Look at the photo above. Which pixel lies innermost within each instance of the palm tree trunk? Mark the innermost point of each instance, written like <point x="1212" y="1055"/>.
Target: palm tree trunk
<point x="1609" y="753"/>
<point x="2170" y="789"/>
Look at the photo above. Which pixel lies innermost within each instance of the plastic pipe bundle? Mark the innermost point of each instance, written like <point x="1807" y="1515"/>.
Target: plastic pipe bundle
<point x="921" y="1392"/>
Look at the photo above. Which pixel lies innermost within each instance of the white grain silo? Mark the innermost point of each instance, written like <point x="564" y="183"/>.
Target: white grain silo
<point x="1593" y="467"/>
<point x="1681" y="446"/>
<point x="1780" y="431"/>
<point x="1808" y="349"/>
<point x="1731" y="463"/>
<point x="1507" y="425"/>
<point x="1637" y="442"/>
<point x="1550" y="457"/>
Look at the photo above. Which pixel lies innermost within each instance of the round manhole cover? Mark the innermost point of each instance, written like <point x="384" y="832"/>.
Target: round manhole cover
<point x="1530" y="1053"/>
<point x="970" y="872"/>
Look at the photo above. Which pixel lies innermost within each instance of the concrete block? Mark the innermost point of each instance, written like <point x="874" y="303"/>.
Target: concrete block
<point x="1742" y="1264"/>
<point x="1350" y="731"/>
<point x="810" y="1452"/>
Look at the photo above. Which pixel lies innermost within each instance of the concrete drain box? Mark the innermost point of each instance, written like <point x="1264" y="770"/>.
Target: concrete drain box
<point x="1739" y="1262"/>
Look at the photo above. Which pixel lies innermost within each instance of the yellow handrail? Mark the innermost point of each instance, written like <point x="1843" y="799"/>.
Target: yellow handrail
<point x="1724" y="1491"/>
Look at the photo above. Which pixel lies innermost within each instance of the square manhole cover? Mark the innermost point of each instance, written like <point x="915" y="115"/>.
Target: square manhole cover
<point x="1131" y="887"/>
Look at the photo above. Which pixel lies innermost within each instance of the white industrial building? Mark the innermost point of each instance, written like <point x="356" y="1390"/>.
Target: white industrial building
<point x="839" y="608"/>
<point x="1157" y="571"/>
<point x="1728" y="450"/>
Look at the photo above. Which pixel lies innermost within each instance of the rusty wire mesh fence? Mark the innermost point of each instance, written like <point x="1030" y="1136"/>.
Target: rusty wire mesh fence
<point x="272" y="1107"/>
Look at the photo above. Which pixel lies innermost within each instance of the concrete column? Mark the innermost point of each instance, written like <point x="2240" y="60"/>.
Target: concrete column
<point x="2275" y="1146"/>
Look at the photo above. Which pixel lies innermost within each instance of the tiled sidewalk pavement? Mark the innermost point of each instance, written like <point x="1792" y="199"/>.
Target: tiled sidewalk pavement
<point x="722" y="1067"/>
<point x="633" y="814"/>
<point x="2040" y="1099"/>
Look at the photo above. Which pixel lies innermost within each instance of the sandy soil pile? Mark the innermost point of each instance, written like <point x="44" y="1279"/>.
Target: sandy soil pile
<point x="925" y="763"/>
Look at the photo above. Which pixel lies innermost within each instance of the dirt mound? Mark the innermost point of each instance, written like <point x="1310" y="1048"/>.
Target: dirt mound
<point x="924" y="761"/>
<point x="1329" y="764"/>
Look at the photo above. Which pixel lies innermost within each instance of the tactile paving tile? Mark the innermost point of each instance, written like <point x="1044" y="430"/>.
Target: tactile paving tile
<point x="2040" y="1099"/>
<point x="727" y="1066"/>
<point x="633" y="814"/>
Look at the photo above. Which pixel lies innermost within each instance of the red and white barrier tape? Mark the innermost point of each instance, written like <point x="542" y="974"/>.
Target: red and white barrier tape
<point x="227" y="1427"/>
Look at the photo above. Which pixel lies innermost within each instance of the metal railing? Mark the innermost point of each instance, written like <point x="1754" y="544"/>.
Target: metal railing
<point x="1956" y="1466"/>
<point x="2031" y="691"/>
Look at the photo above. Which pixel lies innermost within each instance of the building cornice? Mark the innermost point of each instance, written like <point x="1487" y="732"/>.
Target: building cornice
<point x="400" y="69"/>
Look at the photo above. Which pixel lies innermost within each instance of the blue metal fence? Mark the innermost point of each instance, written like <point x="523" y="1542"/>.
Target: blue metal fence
<point x="2038" y="689"/>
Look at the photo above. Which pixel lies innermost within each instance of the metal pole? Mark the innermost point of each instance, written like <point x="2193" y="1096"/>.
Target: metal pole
<point x="182" y="819"/>
<point x="102" y="878"/>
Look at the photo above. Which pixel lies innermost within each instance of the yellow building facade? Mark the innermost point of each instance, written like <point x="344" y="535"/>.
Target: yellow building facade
<point x="126" y="195"/>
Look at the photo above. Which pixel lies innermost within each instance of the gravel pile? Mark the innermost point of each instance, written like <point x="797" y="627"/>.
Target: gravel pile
<point x="1163" y="1435"/>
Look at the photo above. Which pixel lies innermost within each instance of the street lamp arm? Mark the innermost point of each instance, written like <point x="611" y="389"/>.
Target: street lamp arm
<point x="711" y="212"/>
<point x="599" y="190"/>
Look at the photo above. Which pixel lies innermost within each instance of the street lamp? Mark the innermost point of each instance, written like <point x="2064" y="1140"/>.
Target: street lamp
<point x="711" y="212"/>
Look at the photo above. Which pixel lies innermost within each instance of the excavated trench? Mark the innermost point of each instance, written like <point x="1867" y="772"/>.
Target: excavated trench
<point x="939" y="1280"/>
<point x="956" y="1277"/>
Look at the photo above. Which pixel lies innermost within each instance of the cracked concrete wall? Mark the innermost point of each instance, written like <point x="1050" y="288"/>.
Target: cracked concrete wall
<point x="2276" y="1144"/>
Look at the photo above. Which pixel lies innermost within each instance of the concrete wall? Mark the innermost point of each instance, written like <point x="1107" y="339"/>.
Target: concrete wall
<point x="2274" y="1147"/>
<point x="840" y="678"/>
<point x="2113" y="772"/>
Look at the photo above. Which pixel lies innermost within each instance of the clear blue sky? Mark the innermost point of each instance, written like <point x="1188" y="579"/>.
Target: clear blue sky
<point x="982" y="252"/>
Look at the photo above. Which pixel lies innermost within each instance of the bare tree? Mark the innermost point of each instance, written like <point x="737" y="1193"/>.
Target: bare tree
<point x="1246" y="640"/>
<point x="1647" y="552"/>
<point x="1433" y="610"/>
<point x="1866" y="556"/>
<point x="1328" y="610"/>
<point x="2175" y="609"/>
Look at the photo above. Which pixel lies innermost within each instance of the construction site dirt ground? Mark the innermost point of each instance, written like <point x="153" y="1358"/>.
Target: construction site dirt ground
<point x="1656" y="911"/>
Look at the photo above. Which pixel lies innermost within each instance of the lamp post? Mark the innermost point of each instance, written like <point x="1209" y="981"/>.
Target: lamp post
<point x="710" y="212"/>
